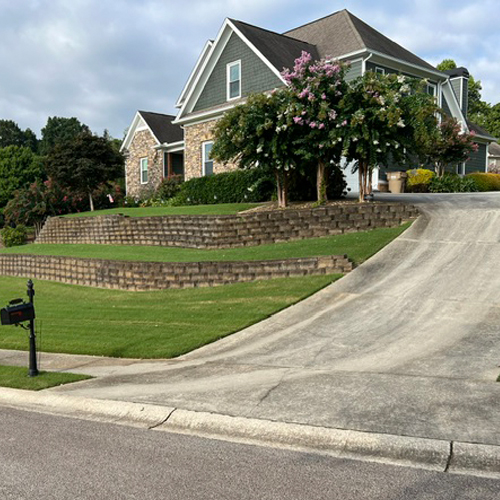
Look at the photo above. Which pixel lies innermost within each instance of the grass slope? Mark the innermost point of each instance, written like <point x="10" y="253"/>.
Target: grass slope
<point x="358" y="246"/>
<point x="161" y="324"/>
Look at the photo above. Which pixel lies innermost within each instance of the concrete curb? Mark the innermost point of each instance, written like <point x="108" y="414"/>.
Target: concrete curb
<point x="430" y="454"/>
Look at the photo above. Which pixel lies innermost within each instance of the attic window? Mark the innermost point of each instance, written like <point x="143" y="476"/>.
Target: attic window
<point x="380" y="71"/>
<point x="234" y="80"/>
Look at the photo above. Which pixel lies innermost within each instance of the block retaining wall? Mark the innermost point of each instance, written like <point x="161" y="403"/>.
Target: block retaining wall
<point x="225" y="231"/>
<point x="142" y="276"/>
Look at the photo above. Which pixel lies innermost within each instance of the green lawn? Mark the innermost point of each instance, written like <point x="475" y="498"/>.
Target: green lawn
<point x="358" y="246"/>
<point x="16" y="377"/>
<point x="220" y="209"/>
<point x="163" y="324"/>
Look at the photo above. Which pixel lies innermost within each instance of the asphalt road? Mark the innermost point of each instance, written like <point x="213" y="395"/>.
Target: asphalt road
<point x="407" y="344"/>
<point x="52" y="458"/>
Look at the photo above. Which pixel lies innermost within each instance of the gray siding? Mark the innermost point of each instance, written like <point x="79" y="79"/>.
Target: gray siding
<point x="446" y="107"/>
<point x="463" y="95"/>
<point x="354" y="71"/>
<point x="477" y="162"/>
<point x="255" y="75"/>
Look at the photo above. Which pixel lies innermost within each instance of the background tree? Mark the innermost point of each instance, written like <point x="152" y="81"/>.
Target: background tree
<point x="12" y="135"/>
<point x="83" y="163"/>
<point x="60" y="130"/>
<point x="450" y="146"/>
<point x="384" y="118"/>
<point x="18" y="166"/>
<point x="256" y="135"/>
<point x="316" y="90"/>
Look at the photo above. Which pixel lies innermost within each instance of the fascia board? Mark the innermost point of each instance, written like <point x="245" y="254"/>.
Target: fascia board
<point x="195" y="72"/>
<point x="131" y="132"/>
<point x="422" y="69"/>
<point x="205" y="71"/>
<point x="455" y="108"/>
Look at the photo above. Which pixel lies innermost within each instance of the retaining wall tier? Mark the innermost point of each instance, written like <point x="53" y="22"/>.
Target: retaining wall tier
<point x="142" y="276"/>
<point x="225" y="231"/>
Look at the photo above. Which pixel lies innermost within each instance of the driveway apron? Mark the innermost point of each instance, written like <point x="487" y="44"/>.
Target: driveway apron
<point x="406" y="344"/>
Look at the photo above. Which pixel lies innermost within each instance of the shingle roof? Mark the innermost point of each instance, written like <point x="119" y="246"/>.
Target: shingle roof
<point x="494" y="149"/>
<point x="479" y="130"/>
<point x="280" y="50"/>
<point x="342" y="33"/>
<point x="162" y="127"/>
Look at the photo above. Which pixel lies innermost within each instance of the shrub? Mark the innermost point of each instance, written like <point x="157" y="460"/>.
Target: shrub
<point x="251" y="185"/>
<point x="452" y="183"/>
<point x="485" y="182"/>
<point x="14" y="236"/>
<point x="418" y="180"/>
<point x="109" y="195"/>
<point x="169" y="187"/>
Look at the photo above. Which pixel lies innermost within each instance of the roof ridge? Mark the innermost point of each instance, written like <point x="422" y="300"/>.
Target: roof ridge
<point x="316" y="20"/>
<point x="270" y="31"/>
<point x="349" y="16"/>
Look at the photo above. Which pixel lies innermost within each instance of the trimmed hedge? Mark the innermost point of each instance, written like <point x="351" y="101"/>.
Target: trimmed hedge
<point x="485" y="181"/>
<point x="452" y="183"/>
<point x="14" y="236"/>
<point x="229" y="187"/>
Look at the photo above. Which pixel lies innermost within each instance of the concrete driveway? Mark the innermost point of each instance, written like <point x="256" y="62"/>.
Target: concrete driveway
<point x="407" y="344"/>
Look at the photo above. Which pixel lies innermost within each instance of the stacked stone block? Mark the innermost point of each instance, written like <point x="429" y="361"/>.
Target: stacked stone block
<point x="142" y="276"/>
<point x="211" y="232"/>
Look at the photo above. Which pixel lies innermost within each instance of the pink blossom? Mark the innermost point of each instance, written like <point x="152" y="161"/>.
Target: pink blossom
<point x="321" y="126"/>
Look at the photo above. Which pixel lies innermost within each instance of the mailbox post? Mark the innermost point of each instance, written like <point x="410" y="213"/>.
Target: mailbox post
<point x="33" y="369"/>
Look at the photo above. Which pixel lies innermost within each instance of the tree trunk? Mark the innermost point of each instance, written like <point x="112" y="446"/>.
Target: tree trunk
<point x="365" y="179"/>
<point x="321" y="183"/>
<point x="282" y="187"/>
<point x="91" y="202"/>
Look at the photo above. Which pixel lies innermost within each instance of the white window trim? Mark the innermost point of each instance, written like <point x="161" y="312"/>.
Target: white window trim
<point x="141" y="170"/>
<point x="228" y="79"/>
<point x="204" y="158"/>
<point x="434" y="86"/>
<point x="379" y="70"/>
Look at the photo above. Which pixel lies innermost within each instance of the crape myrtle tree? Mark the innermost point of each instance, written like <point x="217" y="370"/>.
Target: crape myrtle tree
<point x="257" y="134"/>
<point x="384" y="118"/>
<point x="83" y="163"/>
<point x="316" y="91"/>
<point x="450" y="146"/>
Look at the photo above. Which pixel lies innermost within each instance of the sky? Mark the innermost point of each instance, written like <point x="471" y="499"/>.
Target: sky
<point x="102" y="60"/>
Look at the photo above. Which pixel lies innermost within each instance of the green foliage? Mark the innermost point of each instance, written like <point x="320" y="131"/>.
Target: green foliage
<point x="59" y="130"/>
<point x="251" y="185"/>
<point x="14" y="236"/>
<point x="418" y="180"/>
<point x="452" y="183"/>
<point x="449" y="146"/>
<point x="169" y="187"/>
<point x="18" y="166"/>
<point x="84" y="163"/>
<point x="12" y="135"/>
<point x="485" y="181"/>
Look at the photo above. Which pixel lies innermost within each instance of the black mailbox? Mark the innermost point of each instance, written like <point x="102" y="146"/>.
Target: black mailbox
<point x="13" y="315"/>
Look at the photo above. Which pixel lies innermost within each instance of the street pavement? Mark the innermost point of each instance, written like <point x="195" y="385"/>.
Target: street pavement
<point x="406" y="345"/>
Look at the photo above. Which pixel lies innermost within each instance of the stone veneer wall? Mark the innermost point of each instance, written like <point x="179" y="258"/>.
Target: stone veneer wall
<point x="194" y="137"/>
<point x="226" y="230"/>
<point x="141" y="276"/>
<point x="142" y="146"/>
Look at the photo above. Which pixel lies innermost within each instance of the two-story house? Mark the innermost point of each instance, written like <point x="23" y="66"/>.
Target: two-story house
<point x="245" y="59"/>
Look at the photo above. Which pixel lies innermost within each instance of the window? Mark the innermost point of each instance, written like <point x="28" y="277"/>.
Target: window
<point x="144" y="170"/>
<point x="234" y="80"/>
<point x="380" y="71"/>
<point x="431" y="89"/>
<point x="208" y="163"/>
